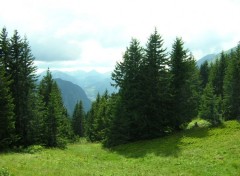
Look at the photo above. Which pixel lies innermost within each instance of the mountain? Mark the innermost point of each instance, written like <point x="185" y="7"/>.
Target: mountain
<point x="209" y="58"/>
<point x="71" y="93"/>
<point x="92" y="82"/>
<point x="212" y="57"/>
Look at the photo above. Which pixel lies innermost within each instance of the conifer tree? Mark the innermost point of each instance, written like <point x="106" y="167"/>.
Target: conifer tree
<point x="204" y="74"/>
<point x="127" y="76"/>
<point x="57" y="126"/>
<point x="7" y="129"/>
<point x="209" y="106"/>
<point x="154" y="88"/>
<point x="21" y="70"/>
<point x="4" y="49"/>
<point x="232" y="87"/>
<point x="78" y="119"/>
<point x="185" y="85"/>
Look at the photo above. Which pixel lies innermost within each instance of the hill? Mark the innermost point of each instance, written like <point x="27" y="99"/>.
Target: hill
<point x="199" y="151"/>
<point x="92" y="82"/>
<point x="71" y="93"/>
<point x="212" y="57"/>
<point x="209" y="58"/>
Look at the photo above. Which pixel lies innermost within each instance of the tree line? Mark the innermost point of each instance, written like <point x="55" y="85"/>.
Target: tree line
<point x="160" y="93"/>
<point x="31" y="113"/>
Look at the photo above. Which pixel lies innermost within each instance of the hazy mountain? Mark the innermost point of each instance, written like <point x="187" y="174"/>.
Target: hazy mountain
<point x="209" y="58"/>
<point x="92" y="82"/>
<point x="71" y="93"/>
<point x="212" y="57"/>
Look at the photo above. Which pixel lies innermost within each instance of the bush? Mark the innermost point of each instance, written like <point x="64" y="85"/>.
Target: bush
<point x="4" y="172"/>
<point x="33" y="149"/>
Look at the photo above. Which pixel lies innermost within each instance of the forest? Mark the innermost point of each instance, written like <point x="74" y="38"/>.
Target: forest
<point x="159" y="93"/>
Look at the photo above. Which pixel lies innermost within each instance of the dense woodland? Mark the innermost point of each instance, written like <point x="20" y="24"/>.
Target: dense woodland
<point x="159" y="94"/>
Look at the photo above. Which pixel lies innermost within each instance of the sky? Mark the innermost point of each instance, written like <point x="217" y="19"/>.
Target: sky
<point x="71" y="35"/>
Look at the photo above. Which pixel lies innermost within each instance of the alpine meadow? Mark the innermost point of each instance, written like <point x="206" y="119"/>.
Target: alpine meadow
<point x="167" y="117"/>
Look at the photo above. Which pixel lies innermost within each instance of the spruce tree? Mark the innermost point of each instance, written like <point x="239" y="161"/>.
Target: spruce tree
<point x="7" y="129"/>
<point x="232" y="87"/>
<point x="127" y="76"/>
<point x="78" y="119"/>
<point x="184" y="85"/>
<point x="57" y="125"/>
<point x="209" y="106"/>
<point x="154" y="88"/>
<point x="4" y="49"/>
<point x="21" y="70"/>
<point x="204" y="74"/>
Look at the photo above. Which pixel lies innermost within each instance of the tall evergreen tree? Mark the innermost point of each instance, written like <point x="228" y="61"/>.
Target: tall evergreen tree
<point x="154" y="88"/>
<point x="232" y="87"/>
<point x="21" y="70"/>
<point x="5" y="49"/>
<point x="209" y="106"/>
<point x="217" y="75"/>
<point x="184" y="85"/>
<point x="204" y="74"/>
<point x="127" y="76"/>
<point x="78" y="119"/>
<point x="57" y="125"/>
<point x="7" y="129"/>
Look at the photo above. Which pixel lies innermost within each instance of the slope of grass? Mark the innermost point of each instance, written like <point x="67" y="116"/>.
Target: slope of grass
<point x="199" y="151"/>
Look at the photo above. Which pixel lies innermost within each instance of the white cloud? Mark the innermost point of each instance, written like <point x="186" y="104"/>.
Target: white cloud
<point x="93" y="34"/>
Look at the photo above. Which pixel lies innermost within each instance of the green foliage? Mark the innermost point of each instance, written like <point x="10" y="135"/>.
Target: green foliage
<point x="232" y="87"/>
<point x="4" y="172"/>
<point x="97" y="118"/>
<point x="197" y="152"/>
<point x="7" y="130"/>
<point x="204" y="74"/>
<point x="57" y="127"/>
<point x="18" y="62"/>
<point x="184" y="85"/>
<point x="209" y="106"/>
<point x="155" y="89"/>
<point x="33" y="149"/>
<point x="78" y="119"/>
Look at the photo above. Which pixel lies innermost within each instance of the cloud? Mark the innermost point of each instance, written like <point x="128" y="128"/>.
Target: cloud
<point x="94" y="34"/>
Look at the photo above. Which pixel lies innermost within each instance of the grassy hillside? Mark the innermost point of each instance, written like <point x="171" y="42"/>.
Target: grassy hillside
<point x="199" y="151"/>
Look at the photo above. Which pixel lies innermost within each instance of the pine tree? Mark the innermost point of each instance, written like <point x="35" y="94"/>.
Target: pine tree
<point x="7" y="135"/>
<point x="204" y="74"/>
<point x="5" y="49"/>
<point x="217" y="74"/>
<point x="184" y="85"/>
<point x="232" y="87"/>
<point x="209" y="106"/>
<point x="21" y="70"/>
<point x="91" y="132"/>
<point x="57" y="125"/>
<point x="78" y="119"/>
<point x="127" y="76"/>
<point x="154" y="87"/>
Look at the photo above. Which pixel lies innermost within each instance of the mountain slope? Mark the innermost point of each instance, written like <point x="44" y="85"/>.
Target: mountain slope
<point x="212" y="57"/>
<point x="71" y="93"/>
<point x="92" y="82"/>
<point x="209" y="58"/>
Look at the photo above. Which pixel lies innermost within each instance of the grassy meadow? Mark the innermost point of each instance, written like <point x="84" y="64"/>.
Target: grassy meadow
<point x="198" y="151"/>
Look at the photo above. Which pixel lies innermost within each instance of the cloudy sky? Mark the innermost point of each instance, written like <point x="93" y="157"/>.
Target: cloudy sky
<point x="93" y="34"/>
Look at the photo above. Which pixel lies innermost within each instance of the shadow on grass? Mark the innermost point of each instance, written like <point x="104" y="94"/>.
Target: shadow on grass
<point x="168" y="146"/>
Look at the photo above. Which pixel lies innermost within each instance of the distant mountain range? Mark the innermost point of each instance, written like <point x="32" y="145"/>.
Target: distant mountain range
<point x="91" y="82"/>
<point x="81" y="85"/>
<point x="212" y="57"/>
<point x="71" y="94"/>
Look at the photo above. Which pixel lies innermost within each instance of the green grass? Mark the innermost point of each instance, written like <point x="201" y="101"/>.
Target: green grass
<point x="198" y="151"/>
